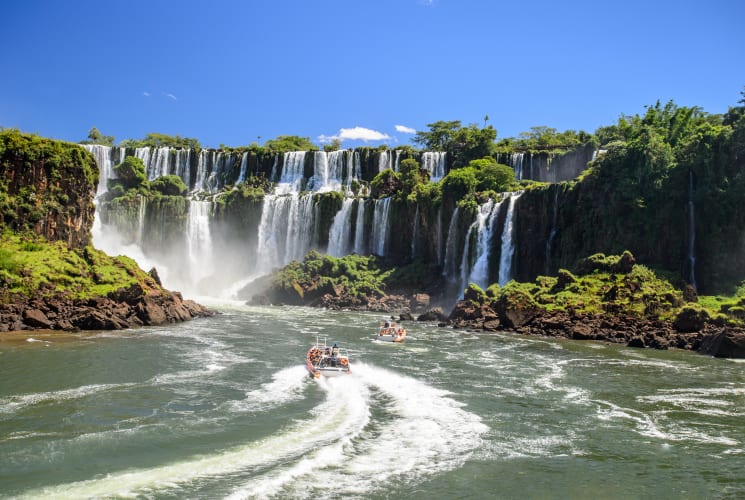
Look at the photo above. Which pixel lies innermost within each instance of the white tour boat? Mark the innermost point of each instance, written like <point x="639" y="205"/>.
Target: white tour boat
<point x="327" y="361"/>
<point x="390" y="332"/>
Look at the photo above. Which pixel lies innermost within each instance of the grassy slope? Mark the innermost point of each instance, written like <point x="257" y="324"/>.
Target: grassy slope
<point x="31" y="266"/>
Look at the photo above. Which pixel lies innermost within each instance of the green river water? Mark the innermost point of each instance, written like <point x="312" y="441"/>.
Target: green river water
<point x="223" y="407"/>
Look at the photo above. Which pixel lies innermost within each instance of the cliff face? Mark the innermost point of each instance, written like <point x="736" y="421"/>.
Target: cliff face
<point x="56" y="280"/>
<point x="47" y="187"/>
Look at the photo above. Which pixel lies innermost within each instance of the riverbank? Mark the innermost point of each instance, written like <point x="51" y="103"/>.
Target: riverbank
<point x="126" y="308"/>
<point x="713" y="340"/>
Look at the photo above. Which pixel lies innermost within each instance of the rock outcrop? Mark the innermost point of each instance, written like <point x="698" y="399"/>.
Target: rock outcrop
<point x="127" y="308"/>
<point x="709" y="339"/>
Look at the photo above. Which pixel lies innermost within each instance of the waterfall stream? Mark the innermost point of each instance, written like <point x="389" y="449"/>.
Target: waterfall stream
<point x="339" y="232"/>
<point x="508" y="244"/>
<point x="381" y="226"/>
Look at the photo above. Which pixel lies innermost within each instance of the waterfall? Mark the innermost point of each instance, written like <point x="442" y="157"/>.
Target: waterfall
<point x="244" y="165"/>
<point x="357" y="172"/>
<point x="359" y="228"/>
<point x="508" y="245"/>
<point x="141" y="220"/>
<point x="451" y="247"/>
<point x="320" y="179"/>
<point x="516" y="159"/>
<point x="434" y="162"/>
<point x="285" y="230"/>
<point x="201" y="169"/>
<point x="275" y="176"/>
<point x="691" y="232"/>
<point x="483" y="225"/>
<point x="384" y="160"/>
<point x="552" y="232"/>
<point x="107" y="158"/>
<point x="160" y="163"/>
<point x="199" y="240"/>
<point x="380" y="226"/>
<point x="397" y="161"/>
<point x="339" y="233"/>
<point x="293" y="168"/>
<point x="329" y="172"/>
<point x="184" y="166"/>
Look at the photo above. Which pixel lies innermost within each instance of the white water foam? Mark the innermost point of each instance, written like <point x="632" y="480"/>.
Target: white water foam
<point x="339" y="418"/>
<point x="286" y="385"/>
<point x="423" y="432"/>
<point x="14" y="403"/>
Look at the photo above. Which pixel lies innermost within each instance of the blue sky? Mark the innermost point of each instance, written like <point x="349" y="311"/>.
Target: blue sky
<point x="368" y="71"/>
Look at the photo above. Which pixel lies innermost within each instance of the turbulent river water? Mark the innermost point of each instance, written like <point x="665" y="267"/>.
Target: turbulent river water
<point x="223" y="407"/>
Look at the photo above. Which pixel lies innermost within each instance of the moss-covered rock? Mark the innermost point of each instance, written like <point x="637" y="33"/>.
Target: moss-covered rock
<point x="516" y="305"/>
<point x="691" y="318"/>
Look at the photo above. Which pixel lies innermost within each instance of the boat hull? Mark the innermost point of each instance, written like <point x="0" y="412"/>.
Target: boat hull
<point x="320" y="363"/>
<point x="390" y="338"/>
<point x="332" y="372"/>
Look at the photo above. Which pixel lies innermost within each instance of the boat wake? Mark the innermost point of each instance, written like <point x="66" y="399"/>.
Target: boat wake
<point x="373" y="429"/>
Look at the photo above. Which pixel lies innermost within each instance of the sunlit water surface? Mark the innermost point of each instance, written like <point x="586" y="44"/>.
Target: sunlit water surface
<point x="223" y="408"/>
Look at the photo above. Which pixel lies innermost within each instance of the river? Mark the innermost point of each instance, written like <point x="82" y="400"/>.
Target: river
<point x="223" y="407"/>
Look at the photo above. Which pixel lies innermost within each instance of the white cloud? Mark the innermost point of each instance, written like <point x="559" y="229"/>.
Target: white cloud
<point x="170" y="96"/>
<point x="146" y="94"/>
<point x="355" y="134"/>
<point x="325" y="139"/>
<point x="405" y="130"/>
<point x="362" y="134"/>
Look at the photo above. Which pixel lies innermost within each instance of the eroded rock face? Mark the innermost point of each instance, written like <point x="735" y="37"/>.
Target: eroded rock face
<point x="725" y="343"/>
<point x="100" y="313"/>
<point x="51" y="185"/>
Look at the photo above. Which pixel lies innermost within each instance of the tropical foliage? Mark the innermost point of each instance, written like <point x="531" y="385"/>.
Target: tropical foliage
<point x="96" y="137"/>
<point x="462" y="144"/>
<point x="287" y="143"/>
<point x="155" y="139"/>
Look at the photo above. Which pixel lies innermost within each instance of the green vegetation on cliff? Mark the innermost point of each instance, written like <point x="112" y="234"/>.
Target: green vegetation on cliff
<point x="46" y="186"/>
<point x="462" y="144"/>
<point x="669" y="177"/>
<point x="608" y="284"/>
<point x="32" y="267"/>
<point x="46" y="194"/>
<point x="352" y="275"/>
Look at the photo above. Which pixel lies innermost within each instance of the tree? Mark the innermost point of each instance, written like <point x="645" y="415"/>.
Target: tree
<point x="131" y="172"/>
<point x="155" y="139"/>
<point x="458" y="183"/>
<point x="470" y="143"/>
<point x="334" y="145"/>
<point x="96" y="137"/>
<point x="386" y="183"/>
<point x="411" y="174"/>
<point x="462" y="144"/>
<point x="492" y="176"/>
<point x="439" y="137"/>
<point x="169" y="185"/>
<point x="287" y="143"/>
